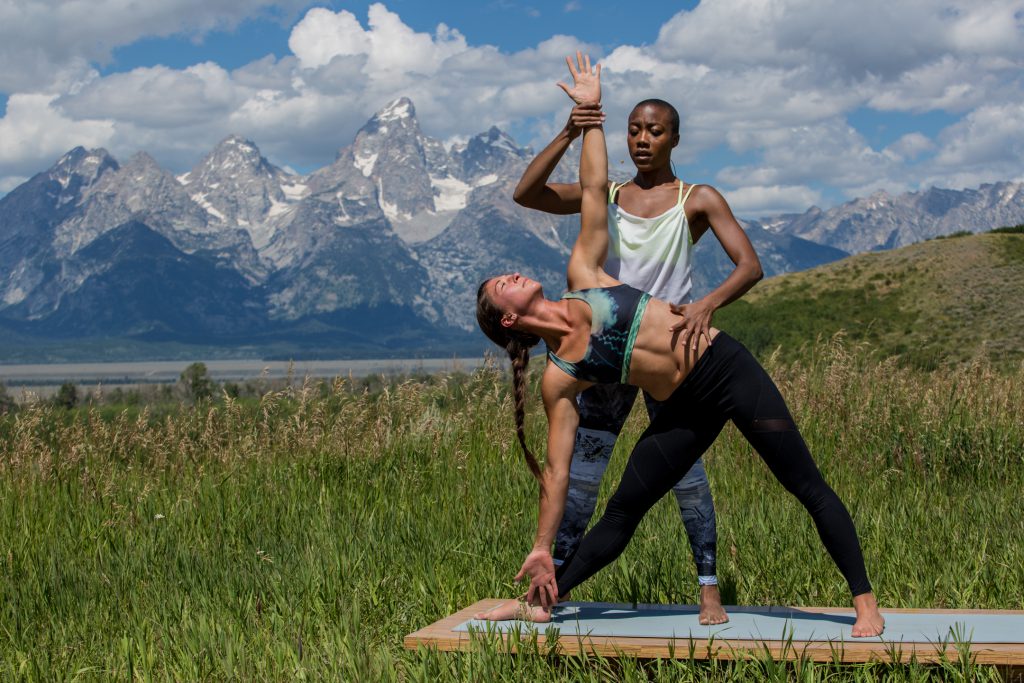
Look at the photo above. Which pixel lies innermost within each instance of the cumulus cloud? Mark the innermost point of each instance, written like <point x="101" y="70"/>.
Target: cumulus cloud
<point x="990" y="136"/>
<point x="831" y="150"/>
<point x="392" y="48"/>
<point x="909" y="146"/>
<point x="774" y="82"/>
<point x="761" y="200"/>
<point x="158" y="97"/>
<point x="34" y="134"/>
<point x="323" y="35"/>
<point x="43" y="42"/>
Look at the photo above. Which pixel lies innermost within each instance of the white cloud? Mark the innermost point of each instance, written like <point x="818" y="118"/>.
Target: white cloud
<point x="772" y="81"/>
<point x="843" y="39"/>
<point x="909" y="146"/>
<point x="761" y="200"/>
<point x="391" y="46"/>
<point x="44" y="42"/>
<point x="323" y="35"/>
<point x="829" y="151"/>
<point x="158" y="97"/>
<point x="991" y="136"/>
<point x="34" y="134"/>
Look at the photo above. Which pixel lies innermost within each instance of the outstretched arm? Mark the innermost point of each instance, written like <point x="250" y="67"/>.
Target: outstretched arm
<point x="591" y="248"/>
<point x="534" y="191"/>
<point x="559" y="393"/>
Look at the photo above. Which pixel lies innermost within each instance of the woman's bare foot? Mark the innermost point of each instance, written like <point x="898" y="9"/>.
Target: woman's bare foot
<point x="711" y="610"/>
<point x="516" y="609"/>
<point x="869" y="620"/>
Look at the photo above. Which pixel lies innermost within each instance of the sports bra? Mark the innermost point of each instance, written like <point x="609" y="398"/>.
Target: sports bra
<point x="615" y="315"/>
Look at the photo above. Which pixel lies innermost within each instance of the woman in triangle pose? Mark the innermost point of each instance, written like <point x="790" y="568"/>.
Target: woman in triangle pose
<point x="654" y="223"/>
<point x="603" y="331"/>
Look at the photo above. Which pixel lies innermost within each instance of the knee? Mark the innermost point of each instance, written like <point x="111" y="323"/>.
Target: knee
<point x="814" y="493"/>
<point x="626" y="510"/>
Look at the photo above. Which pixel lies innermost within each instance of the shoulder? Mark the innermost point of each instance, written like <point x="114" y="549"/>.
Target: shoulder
<point x="703" y="192"/>
<point x="703" y="198"/>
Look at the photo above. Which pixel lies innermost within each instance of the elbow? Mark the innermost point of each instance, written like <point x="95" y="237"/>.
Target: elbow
<point x="519" y="196"/>
<point x="555" y="479"/>
<point x="527" y="196"/>
<point x="754" y="271"/>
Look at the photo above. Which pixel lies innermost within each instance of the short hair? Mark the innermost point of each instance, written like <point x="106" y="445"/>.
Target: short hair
<point x="673" y="114"/>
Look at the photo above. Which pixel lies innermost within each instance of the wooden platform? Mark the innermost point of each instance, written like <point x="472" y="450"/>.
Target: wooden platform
<point x="443" y="635"/>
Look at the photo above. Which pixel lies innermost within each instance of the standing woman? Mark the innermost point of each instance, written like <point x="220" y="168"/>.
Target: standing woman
<point x="616" y="333"/>
<point x="654" y="221"/>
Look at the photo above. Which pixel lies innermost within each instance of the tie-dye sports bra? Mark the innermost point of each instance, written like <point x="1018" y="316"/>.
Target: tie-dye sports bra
<point x="615" y="315"/>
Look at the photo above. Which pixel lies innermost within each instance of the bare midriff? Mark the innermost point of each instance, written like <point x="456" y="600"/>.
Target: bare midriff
<point x="661" y="360"/>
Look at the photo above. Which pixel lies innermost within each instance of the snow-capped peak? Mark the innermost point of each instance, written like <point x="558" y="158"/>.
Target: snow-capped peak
<point x="86" y="164"/>
<point x="402" y="108"/>
<point x="496" y="137"/>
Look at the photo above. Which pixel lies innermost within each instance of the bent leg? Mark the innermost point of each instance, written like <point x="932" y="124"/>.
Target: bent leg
<point x="661" y="457"/>
<point x="603" y="411"/>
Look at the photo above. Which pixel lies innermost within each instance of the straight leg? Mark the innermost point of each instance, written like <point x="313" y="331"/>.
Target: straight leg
<point x="697" y="508"/>
<point x="661" y="457"/>
<point x="761" y="415"/>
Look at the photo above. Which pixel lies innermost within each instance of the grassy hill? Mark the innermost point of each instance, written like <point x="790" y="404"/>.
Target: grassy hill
<point x="948" y="300"/>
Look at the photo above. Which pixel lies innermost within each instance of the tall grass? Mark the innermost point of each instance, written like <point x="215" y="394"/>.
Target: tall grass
<point x="302" y="535"/>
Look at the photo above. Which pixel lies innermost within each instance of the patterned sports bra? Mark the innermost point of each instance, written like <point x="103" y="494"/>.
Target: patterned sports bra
<point x="615" y="315"/>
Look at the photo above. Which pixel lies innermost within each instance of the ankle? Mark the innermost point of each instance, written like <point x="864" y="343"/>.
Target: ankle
<point x="865" y="601"/>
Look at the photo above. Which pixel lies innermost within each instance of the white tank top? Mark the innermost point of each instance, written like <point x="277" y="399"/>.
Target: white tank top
<point x="651" y="254"/>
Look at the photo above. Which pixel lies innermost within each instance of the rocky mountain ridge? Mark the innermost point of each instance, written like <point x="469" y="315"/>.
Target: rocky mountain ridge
<point x="884" y="221"/>
<point x="382" y="249"/>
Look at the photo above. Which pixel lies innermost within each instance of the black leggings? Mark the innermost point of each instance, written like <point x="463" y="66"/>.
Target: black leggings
<point x="727" y="383"/>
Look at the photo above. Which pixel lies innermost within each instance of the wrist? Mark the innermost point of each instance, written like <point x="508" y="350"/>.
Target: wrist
<point x="711" y="302"/>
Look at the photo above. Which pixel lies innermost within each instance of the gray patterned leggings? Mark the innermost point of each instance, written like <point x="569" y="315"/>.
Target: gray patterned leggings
<point x="603" y="410"/>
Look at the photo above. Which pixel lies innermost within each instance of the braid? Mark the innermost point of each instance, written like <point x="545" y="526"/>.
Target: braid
<point x="517" y="343"/>
<point x="520" y="356"/>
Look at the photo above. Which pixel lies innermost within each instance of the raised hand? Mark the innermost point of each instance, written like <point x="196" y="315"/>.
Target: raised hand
<point x="584" y="116"/>
<point x="586" y="88"/>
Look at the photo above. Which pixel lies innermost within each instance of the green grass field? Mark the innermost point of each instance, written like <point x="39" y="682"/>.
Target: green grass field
<point x="940" y="302"/>
<point x="301" y="536"/>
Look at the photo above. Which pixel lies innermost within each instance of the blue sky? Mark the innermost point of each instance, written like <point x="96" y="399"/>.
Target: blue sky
<point x="785" y="103"/>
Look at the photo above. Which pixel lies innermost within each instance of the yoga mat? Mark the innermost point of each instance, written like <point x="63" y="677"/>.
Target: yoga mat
<point x="821" y="634"/>
<point x="766" y="623"/>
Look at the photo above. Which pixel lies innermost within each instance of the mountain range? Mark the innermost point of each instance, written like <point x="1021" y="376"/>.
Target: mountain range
<point x="378" y="253"/>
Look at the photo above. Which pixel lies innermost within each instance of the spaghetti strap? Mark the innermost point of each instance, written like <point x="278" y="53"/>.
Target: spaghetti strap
<point x="686" y="196"/>
<point x="614" y="189"/>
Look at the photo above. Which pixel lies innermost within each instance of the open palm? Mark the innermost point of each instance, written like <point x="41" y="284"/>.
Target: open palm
<point x="586" y="88"/>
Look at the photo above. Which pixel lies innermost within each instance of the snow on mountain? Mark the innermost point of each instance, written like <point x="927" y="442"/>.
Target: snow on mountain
<point x="383" y="248"/>
<point x="884" y="221"/>
<point x="237" y="186"/>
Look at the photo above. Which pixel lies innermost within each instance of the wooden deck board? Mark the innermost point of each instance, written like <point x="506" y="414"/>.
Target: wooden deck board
<point x="442" y="636"/>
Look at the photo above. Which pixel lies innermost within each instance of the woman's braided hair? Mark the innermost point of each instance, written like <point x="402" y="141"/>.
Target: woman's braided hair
<point x="517" y="344"/>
